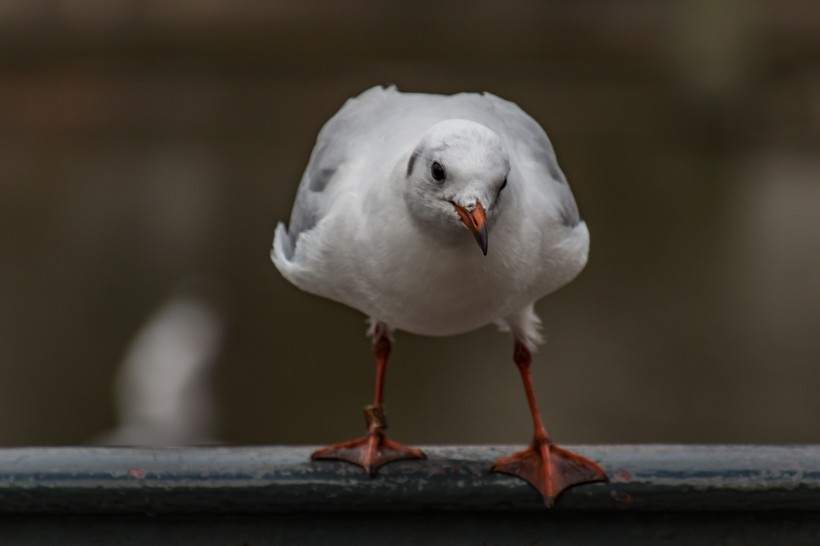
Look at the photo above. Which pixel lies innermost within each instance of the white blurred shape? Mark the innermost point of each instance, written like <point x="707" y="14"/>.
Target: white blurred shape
<point x="163" y="388"/>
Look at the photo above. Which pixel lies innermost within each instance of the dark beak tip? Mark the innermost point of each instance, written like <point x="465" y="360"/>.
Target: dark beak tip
<point x="482" y="240"/>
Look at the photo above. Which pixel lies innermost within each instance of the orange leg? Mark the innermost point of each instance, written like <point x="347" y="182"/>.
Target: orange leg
<point x="373" y="449"/>
<point x="547" y="467"/>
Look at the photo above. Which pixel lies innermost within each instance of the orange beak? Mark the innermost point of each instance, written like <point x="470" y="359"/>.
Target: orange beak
<point x="476" y="222"/>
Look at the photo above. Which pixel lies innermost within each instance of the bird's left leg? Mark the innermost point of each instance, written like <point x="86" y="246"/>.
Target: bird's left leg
<point x="547" y="467"/>
<point x="373" y="449"/>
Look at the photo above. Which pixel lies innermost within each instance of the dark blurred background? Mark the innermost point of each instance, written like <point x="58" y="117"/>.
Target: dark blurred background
<point x="146" y="147"/>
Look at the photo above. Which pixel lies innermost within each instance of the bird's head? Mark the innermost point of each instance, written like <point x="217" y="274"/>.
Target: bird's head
<point x="455" y="178"/>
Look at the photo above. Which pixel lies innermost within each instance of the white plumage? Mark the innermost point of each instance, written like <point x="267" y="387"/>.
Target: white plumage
<point x="372" y="229"/>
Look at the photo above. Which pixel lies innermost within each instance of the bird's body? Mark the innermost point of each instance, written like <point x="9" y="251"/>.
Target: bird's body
<point x="354" y="241"/>
<point x="379" y="224"/>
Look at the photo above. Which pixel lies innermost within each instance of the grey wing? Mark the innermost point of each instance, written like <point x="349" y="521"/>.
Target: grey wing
<point x="530" y="143"/>
<point x="335" y="144"/>
<point x="310" y="203"/>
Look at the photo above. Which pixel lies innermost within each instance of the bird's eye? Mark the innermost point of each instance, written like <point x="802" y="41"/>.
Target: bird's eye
<point x="437" y="171"/>
<point x="503" y="185"/>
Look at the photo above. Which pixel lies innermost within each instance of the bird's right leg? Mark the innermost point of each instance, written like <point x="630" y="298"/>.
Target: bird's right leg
<point x="373" y="449"/>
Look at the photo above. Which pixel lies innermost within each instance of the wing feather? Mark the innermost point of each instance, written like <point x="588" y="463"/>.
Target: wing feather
<point x="335" y="146"/>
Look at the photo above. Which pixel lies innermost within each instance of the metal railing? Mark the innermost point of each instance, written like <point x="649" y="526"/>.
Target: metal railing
<point x="276" y="495"/>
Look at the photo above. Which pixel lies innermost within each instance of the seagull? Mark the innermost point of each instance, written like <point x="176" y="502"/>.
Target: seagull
<point x="397" y="192"/>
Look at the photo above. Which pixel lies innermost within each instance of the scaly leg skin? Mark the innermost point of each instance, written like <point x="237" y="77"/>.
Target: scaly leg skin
<point x="373" y="449"/>
<point x="547" y="467"/>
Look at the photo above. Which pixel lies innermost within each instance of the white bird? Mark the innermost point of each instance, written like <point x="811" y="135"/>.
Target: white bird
<point x="379" y="224"/>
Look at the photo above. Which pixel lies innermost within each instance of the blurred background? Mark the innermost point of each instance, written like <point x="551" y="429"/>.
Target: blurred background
<point x="147" y="150"/>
